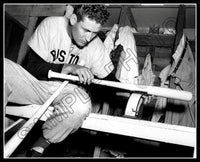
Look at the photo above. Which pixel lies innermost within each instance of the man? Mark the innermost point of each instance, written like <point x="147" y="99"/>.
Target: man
<point x="66" y="45"/>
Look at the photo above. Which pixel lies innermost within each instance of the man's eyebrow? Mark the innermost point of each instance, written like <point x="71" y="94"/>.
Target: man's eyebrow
<point x="88" y="30"/>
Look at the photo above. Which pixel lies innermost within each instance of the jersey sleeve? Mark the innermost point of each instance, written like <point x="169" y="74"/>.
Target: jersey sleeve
<point x="101" y="65"/>
<point x="40" y="68"/>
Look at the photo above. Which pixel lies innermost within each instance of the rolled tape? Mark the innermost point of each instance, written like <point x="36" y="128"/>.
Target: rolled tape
<point x="133" y="104"/>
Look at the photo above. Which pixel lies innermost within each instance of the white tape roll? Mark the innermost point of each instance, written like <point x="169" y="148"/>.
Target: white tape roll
<point x="133" y="104"/>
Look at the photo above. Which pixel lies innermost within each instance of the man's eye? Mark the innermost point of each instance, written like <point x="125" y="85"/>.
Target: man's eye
<point x="87" y="31"/>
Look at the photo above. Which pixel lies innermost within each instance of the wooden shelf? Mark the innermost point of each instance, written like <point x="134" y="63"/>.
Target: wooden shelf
<point x="156" y="40"/>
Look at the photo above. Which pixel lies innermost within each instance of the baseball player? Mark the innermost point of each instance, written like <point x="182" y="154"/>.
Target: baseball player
<point x="67" y="44"/>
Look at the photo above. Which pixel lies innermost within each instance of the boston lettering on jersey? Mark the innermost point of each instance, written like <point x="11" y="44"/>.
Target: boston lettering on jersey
<point x="60" y="55"/>
<point x="74" y="59"/>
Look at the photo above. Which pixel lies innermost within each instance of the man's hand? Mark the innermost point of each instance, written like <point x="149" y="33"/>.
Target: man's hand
<point x="84" y="74"/>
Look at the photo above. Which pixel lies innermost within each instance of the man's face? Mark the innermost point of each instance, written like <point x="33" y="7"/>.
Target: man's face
<point x="84" y="31"/>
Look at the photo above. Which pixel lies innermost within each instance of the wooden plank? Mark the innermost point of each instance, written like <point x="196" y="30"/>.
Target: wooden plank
<point x="16" y="10"/>
<point x="150" y="6"/>
<point x="141" y="129"/>
<point x="156" y="40"/>
<point x="24" y="46"/>
<point x="13" y="128"/>
<point x="195" y="152"/>
<point x="48" y="10"/>
<point x="149" y="39"/>
<point x="15" y="124"/>
<point x="11" y="18"/>
<point x="8" y="30"/>
<point x="161" y="132"/>
<point x="23" y="19"/>
<point x="160" y="63"/>
<point x="180" y="24"/>
<point x="36" y="10"/>
<point x="131" y="18"/>
<point x="105" y="108"/>
<point x="97" y="151"/>
<point x="122" y="17"/>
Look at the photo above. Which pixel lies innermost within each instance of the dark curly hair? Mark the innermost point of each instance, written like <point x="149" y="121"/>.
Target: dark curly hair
<point x="98" y="13"/>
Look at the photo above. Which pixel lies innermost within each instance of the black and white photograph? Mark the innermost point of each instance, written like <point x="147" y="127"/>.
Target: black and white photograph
<point x="99" y="81"/>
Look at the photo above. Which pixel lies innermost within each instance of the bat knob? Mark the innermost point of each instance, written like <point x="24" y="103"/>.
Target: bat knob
<point x="49" y="74"/>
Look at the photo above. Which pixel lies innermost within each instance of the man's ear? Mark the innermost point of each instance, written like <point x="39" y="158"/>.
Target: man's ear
<point x="69" y="11"/>
<point x="73" y="19"/>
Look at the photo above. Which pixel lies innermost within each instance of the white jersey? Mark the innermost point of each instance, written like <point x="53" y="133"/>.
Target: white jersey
<point x="53" y="44"/>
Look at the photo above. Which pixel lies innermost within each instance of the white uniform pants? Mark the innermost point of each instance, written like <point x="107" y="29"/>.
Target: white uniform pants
<point x="71" y="106"/>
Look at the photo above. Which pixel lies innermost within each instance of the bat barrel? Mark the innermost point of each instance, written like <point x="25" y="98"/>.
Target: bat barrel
<point x="151" y="90"/>
<point x="170" y="93"/>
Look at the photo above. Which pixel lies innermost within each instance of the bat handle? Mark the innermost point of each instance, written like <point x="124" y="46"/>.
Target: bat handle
<point x="50" y="74"/>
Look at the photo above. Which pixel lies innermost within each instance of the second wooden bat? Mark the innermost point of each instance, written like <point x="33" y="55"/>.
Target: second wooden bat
<point x="18" y="137"/>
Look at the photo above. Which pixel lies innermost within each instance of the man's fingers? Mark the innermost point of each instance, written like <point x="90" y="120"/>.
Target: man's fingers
<point x="81" y="79"/>
<point x="90" y="78"/>
<point x="85" y="76"/>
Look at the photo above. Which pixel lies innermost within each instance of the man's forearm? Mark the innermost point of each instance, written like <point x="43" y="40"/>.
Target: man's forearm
<point x="39" y="68"/>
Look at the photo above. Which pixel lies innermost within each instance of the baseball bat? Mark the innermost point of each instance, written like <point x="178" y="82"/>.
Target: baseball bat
<point x="150" y="90"/>
<point x="18" y="137"/>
